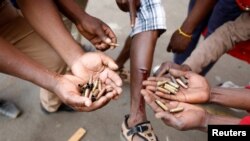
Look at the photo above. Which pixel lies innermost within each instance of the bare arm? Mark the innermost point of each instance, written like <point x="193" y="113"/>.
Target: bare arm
<point x="197" y="14"/>
<point x="96" y="31"/>
<point x="231" y="97"/>
<point x="181" y="38"/>
<point x="45" y="19"/>
<point x="17" y="64"/>
<point x="218" y="43"/>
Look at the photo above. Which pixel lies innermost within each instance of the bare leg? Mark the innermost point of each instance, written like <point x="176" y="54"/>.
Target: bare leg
<point x="142" y="50"/>
<point x="124" y="55"/>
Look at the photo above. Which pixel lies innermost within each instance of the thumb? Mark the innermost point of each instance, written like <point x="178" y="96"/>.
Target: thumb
<point x="79" y="101"/>
<point x="178" y="73"/>
<point x="168" y="118"/>
<point x="108" y="61"/>
<point x="103" y="37"/>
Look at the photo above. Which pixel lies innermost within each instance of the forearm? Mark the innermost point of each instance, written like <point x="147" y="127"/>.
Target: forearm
<point x="222" y="120"/>
<point x="71" y="9"/>
<point x="13" y="62"/>
<point x="197" y="14"/>
<point x="45" y="19"/>
<point x="211" y="49"/>
<point x="231" y="97"/>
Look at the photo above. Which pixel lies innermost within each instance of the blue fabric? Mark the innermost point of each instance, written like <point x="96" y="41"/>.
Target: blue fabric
<point x="224" y="11"/>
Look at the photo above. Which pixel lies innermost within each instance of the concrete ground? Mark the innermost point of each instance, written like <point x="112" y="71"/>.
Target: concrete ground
<point x="104" y="124"/>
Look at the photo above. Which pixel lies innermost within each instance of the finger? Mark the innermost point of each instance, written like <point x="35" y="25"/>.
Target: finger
<point x="78" y="101"/>
<point x="114" y="77"/>
<point x="97" y="104"/>
<point x="132" y="11"/>
<point x="168" y="118"/>
<point x="110" y="83"/>
<point x="166" y="96"/>
<point x="150" y="100"/>
<point x="177" y="73"/>
<point x="108" y="61"/>
<point x="101" y="34"/>
<point x="151" y="88"/>
<point x="164" y="68"/>
<point x="157" y="78"/>
<point x="110" y="35"/>
<point x="149" y="83"/>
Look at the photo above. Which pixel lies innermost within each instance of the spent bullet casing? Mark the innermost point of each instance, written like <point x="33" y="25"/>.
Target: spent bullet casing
<point x="163" y="90"/>
<point x="161" y="105"/>
<point x="181" y="83"/>
<point x="184" y="80"/>
<point x="176" y="110"/>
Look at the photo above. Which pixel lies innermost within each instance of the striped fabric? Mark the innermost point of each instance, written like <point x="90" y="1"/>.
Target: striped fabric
<point x="150" y="16"/>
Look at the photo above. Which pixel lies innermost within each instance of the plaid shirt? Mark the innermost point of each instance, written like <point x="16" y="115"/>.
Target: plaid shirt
<point x="150" y="16"/>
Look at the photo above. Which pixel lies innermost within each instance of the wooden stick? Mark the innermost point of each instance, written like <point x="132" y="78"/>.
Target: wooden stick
<point x="77" y="135"/>
<point x="161" y="105"/>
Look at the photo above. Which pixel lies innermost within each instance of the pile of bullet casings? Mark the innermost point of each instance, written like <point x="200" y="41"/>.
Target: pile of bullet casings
<point x="171" y="87"/>
<point x="93" y="89"/>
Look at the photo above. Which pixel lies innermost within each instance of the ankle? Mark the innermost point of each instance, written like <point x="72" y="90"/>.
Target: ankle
<point x="134" y="120"/>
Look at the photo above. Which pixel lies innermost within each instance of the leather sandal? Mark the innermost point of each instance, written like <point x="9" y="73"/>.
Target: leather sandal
<point x="143" y="130"/>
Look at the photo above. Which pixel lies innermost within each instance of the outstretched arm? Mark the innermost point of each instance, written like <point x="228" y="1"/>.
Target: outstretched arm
<point x="13" y="62"/>
<point x="45" y="19"/>
<point x="192" y="117"/>
<point x="231" y="97"/>
<point x="96" y="31"/>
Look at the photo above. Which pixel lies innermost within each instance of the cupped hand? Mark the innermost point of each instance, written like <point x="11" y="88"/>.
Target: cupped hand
<point x="165" y="66"/>
<point x="198" y="90"/>
<point x="192" y="117"/>
<point x="97" y="32"/>
<point x="98" y="65"/>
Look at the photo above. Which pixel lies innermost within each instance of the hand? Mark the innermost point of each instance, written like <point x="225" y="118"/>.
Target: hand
<point x="178" y="43"/>
<point x="97" y="64"/>
<point x="131" y="6"/>
<point x="67" y="90"/>
<point x="165" y="66"/>
<point x="192" y="117"/>
<point x="198" y="88"/>
<point x="97" y="32"/>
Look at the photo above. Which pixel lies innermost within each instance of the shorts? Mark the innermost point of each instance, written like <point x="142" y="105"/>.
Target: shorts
<point x="150" y="16"/>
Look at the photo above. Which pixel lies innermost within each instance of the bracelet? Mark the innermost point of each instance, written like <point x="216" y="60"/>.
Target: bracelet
<point x="184" y="34"/>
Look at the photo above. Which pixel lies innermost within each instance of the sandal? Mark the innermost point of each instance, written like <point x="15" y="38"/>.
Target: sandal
<point x="124" y="74"/>
<point x="144" y="130"/>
